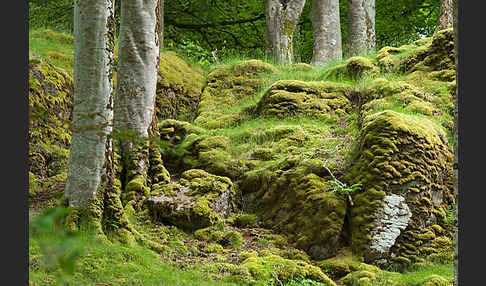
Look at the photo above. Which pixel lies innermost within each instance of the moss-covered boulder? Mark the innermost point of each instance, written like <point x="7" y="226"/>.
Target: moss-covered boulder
<point x="187" y="147"/>
<point x="435" y="56"/>
<point x="353" y="68"/>
<point x="405" y="165"/>
<point x="198" y="200"/>
<point x="294" y="197"/>
<point x="272" y="268"/>
<point x="179" y="87"/>
<point x="226" y="85"/>
<point x="323" y="100"/>
<point x="50" y="114"/>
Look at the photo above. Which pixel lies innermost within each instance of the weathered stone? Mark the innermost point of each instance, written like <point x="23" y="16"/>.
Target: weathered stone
<point x="199" y="200"/>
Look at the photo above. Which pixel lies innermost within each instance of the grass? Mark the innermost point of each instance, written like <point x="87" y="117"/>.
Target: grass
<point x="57" y="257"/>
<point x="58" y="48"/>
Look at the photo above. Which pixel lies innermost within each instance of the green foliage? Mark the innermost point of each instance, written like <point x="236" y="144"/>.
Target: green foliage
<point x="344" y="190"/>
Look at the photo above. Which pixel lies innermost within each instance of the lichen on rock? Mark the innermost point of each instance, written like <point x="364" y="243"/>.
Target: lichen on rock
<point x="406" y="156"/>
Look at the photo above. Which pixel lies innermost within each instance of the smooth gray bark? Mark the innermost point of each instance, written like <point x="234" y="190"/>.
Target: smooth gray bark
<point x="138" y="52"/>
<point x="93" y="89"/>
<point x="361" y="37"/>
<point x="326" y="26"/>
<point x="281" y="18"/>
<point x="445" y="19"/>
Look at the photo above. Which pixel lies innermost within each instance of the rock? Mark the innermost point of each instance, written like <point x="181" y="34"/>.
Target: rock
<point x="323" y="100"/>
<point x="353" y="68"/>
<point x="226" y="85"/>
<point x="199" y="200"/>
<point x="294" y="198"/>
<point x="405" y="166"/>
<point x="179" y="87"/>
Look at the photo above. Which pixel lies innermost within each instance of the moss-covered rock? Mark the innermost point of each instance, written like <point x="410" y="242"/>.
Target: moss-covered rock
<point x="199" y="200"/>
<point x="50" y="114"/>
<point x="323" y="100"/>
<point x="436" y="280"/>
<point x="405" y="165"/>
<point x="186" y="147"/>
<point x="353" y="68"/>
<point x="226" y="85"/>
<point x="436" y="56"/>
<point x="295" y="198"/>
<point x="270" y="268"/>
<point x="179" y="88"/>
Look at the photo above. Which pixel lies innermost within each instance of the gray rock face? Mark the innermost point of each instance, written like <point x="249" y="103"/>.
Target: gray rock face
<point x="391" y="219"/>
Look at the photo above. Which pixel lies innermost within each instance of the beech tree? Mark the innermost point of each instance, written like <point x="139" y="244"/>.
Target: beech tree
<point x="326" y="31"/>
<point x="361" y="36"/>
<point x="92" y="189"/>
<point x="93" y="91"/>
<point x="281" y="18"/>
<point x="446" y="15"/>
<point x="138" y="50"/>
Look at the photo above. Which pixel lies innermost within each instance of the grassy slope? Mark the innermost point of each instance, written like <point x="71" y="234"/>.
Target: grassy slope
<point x="118" y="264"/>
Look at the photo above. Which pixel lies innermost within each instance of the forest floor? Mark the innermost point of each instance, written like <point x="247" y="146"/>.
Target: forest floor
<point x="218" y="256"/>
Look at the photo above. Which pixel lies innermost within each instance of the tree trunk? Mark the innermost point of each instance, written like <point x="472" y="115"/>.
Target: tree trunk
<point x="93" y="88"/>
<point x="445" y="20"/>
<point x="281" y="19"/>
<point x="456" y="144"/>
<point x="327" y="31"/>
<point x="361" y="27"/>
<point x="138" y="52"/>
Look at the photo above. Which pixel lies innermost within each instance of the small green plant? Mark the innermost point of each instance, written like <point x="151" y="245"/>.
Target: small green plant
<point x="343" y="189"/>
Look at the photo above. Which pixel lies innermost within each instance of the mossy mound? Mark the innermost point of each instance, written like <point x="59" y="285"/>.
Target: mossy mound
<point x="272" y="268"/>
<point x="436" y="280"/>
<point x="198" y="200"/>
<point x="353" y="68"/>
<point x="294" y="197"/>
<point x="343" y="264"/>
<point x="405" y="166"/>
<point x="324" y="100"/>
<point x="187" y="147"/>
<point x="226" y="85"/>
<point x="50" y="114"/>
<point x="435" y="56"/>
<point x="179" y="87"/>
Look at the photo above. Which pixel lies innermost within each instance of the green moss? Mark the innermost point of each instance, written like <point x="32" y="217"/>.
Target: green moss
<point x="435" y="280"/>
<point x="353" y="68"/>
<point x="213" y="248"/>
<point x="246" y="220"/>
<point x="324" y="100"/>
<point x="209" y="234"/>
<point x="226" y="86"/>
<point x="270" y="267"/>
<point x="178" y="88"/>
<point x="233" y="238"/>
<point x="398" y="153"/>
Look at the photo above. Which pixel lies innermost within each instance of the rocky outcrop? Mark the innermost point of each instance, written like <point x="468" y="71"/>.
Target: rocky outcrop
<point x="324" y="100"/>
<point x="198" y="200"/>
<point x="179" y="87"/>
<point x="405" y="166"/>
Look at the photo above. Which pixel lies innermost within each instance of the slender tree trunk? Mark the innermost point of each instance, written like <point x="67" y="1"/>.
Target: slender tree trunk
<point x="93" y="87"/>
<point x="361" y="37"/>
<point x="327" y="31"/>
<point x="282" y="17"/>
<point x="445" y="20"/>
<point x="456" y="145"/>
<point x="138" y="52"/>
